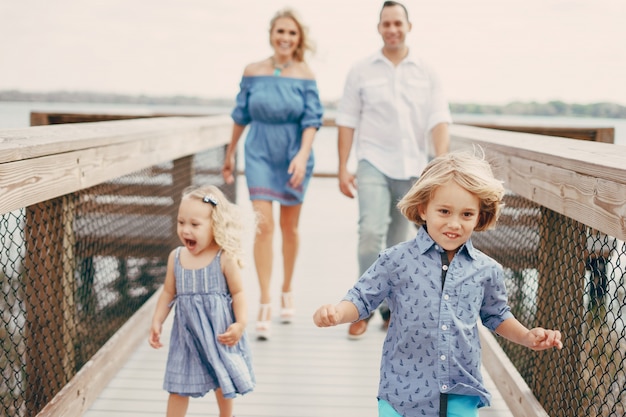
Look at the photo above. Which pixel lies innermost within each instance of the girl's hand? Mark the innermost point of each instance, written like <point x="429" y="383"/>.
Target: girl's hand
<point x="542" y="339"/>
<point x="155" y="336"/>
<point x="232" y="335"/>
<point x="297" y="169"/>
<point x="326" y="316"/>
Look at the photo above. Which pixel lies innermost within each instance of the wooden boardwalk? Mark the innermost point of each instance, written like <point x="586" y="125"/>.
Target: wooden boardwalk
<point x="303" y="371"/>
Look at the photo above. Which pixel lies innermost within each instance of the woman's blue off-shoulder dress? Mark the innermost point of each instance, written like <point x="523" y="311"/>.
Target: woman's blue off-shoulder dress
<point x="197" y="363"/>
<point x="277" y="110"/>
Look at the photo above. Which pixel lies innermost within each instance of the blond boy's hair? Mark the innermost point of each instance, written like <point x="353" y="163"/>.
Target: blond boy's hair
<point x="468" y="170"/>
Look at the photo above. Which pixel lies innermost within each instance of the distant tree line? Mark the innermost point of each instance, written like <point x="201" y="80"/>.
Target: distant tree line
<point x="91" y="97"/>
<point x="551" y="108"/>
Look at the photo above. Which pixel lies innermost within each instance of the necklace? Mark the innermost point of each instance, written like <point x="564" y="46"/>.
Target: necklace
<point x="278" y="68"/>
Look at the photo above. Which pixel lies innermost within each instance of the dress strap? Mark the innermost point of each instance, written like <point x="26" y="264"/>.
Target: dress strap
<point x="177" y="260"/>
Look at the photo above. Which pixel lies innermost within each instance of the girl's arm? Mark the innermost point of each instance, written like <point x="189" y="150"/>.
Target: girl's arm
<point x="163" y="304"/>
<point x="535" y="339"/>
<point x="332" y="315"/>
<point x="232" y="272"/>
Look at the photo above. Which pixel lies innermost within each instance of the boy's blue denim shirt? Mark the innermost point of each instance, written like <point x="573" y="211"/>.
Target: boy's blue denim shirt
<point x="432" y="344"/>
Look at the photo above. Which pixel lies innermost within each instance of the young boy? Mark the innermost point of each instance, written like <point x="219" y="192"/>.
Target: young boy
<point x="438" y="286"/>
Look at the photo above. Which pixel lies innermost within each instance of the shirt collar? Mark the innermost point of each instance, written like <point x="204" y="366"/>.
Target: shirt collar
<point x="425" y="243"/>
<point x="408" y="59"/>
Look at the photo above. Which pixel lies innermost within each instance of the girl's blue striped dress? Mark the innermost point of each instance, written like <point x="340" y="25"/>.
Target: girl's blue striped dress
<point x="197" y="363"/>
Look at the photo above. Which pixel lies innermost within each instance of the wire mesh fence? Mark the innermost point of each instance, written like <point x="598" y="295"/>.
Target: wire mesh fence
<point x="564" y="275"/>
<point x="74" y="269"/>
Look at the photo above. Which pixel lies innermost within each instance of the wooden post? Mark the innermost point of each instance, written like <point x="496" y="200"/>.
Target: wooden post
<point x="230" y="190"/>
<point x="39" y="119"/>
<point x="182" y="176"/>
<point x="50" y="358"/>
<point x="561" y="272"/>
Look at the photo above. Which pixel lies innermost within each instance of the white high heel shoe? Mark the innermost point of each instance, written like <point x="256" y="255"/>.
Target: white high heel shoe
<point x="264" y="323"/>
<point x="287" y="311"/>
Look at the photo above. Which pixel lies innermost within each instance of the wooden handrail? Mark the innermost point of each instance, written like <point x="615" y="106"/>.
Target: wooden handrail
<point x="580" y="180"/>
<point x="583" y="180"/>
<point x="41" y="163"/>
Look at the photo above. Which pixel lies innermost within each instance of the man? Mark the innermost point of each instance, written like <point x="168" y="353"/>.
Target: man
<point x="394" y="110"/>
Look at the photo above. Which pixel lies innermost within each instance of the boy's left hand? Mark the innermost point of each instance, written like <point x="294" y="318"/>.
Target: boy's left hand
<point x="232" y="335"/>
<point x="542" y="339"/>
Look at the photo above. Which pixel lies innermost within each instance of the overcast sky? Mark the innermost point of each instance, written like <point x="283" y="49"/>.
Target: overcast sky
<point x="486" y="51"/>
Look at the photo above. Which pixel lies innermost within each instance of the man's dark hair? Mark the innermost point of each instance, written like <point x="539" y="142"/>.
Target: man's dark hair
<point x="390" y="3"/>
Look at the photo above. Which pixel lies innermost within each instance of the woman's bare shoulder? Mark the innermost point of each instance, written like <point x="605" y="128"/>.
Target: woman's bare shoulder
<point x="302" y="70"/>
<point x="256" y="68"/>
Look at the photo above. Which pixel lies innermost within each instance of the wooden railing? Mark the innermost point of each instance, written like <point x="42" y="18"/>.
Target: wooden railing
<point x="580" y="187"/>
<point x="578" y="181"/>
<point x="48" y="174"/>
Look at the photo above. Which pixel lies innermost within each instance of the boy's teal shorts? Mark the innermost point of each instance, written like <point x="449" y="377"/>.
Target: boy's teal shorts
<point x="458" y="406"/>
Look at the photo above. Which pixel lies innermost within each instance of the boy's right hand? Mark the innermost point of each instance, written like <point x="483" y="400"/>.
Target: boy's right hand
<point x="326" y="316"/>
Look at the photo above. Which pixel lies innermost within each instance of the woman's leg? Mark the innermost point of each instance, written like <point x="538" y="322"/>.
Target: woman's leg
<point x="289" y="219"/>
<point x="263" y="247"/>
<point x="225" y="404"/>
<point x="177" y="405"/>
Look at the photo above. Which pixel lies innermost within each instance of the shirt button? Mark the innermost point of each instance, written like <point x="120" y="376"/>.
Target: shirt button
<point x="437" y="247"/>
<point x="445" y="267"/>
<point x="446" y="297"/>
<point x="444" y="387"/>
<point x="444" y="327"/>
<point x="443" y="357"/>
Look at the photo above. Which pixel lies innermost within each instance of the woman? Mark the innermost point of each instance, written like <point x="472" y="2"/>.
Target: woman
<point x="280" y="101"/>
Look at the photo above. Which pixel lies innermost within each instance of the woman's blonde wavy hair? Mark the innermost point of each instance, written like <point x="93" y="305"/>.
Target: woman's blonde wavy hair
<point x="227" y="219"/>
<point x="467" y="169"/>
<point x="305" y="44"/>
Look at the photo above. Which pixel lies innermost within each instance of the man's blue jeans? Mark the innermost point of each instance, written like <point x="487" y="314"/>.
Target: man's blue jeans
<point x="381" y="225"/>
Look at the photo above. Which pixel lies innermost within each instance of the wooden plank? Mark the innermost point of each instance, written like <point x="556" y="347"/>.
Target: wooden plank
<point x="600" y="160"/>
<point x="27" y="181"/>
<point x="76" y="397"/>
<point x="50" y="118"/>
<point x="516" y="393"/>
<point x="582" y="180"/>
<point x="596" y="202"/>
<point x="597" y="134"/>
<point x="33" y="142"/>
<point x="302" y="371"/>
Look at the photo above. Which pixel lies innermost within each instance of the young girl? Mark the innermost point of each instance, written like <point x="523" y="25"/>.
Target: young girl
<point x="208" y="346"/>
<point x="438" y="287"/>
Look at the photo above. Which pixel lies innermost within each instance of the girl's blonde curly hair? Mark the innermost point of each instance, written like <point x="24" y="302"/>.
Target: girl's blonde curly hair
<point x="226" y="217"/>
<point x="468" y="170"/>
